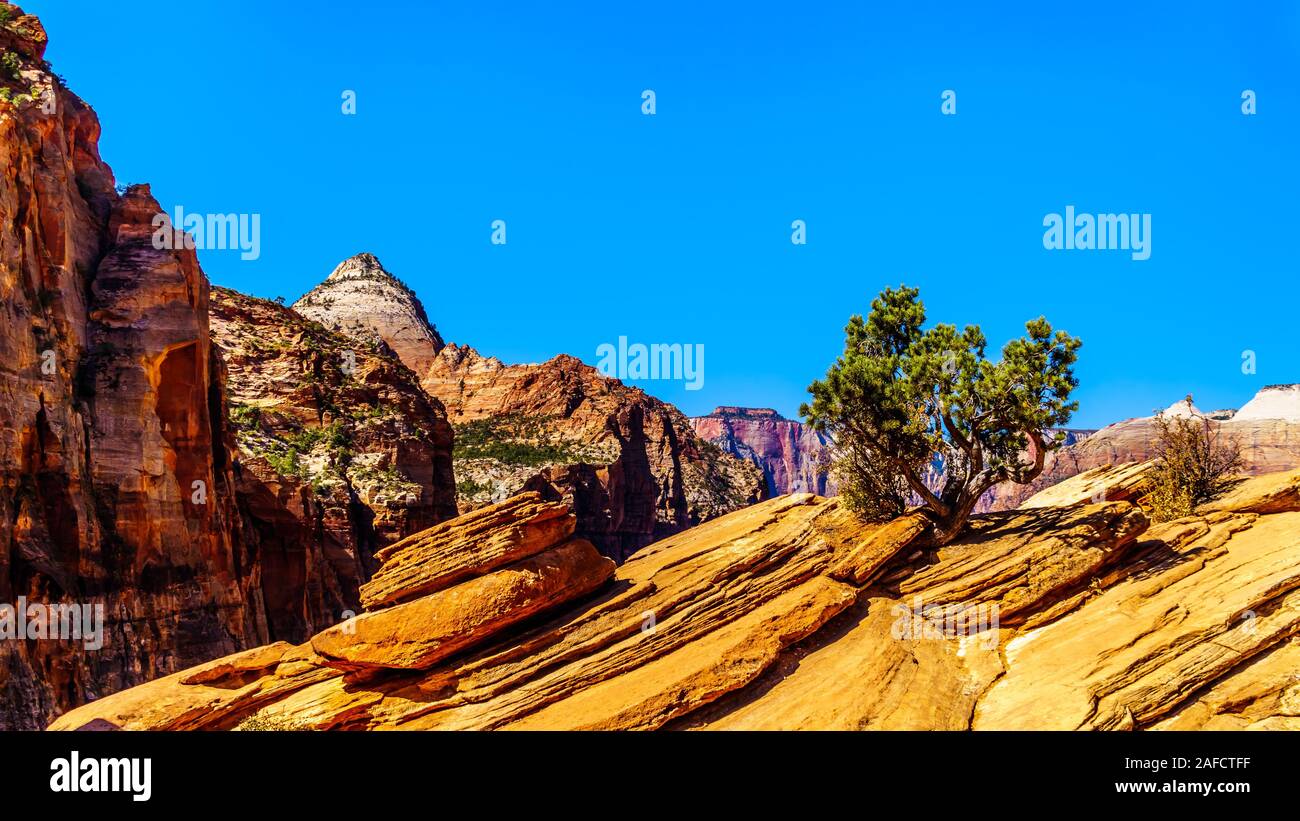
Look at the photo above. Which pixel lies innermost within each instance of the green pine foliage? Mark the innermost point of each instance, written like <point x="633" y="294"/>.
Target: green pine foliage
<point x="902" y="399"/>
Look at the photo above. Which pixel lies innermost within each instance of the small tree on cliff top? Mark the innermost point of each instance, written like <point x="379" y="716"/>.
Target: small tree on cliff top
<point x="910" y="398"/>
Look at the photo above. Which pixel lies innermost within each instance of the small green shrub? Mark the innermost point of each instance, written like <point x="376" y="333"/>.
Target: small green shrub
<point x="11" y="66"/>
<point x="469" y="487"/>
<point x="285" y="464"/>
<point x="245" y="417"/>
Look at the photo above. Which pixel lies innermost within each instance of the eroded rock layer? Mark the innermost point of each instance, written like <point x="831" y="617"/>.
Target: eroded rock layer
<point x="792" y="614"/>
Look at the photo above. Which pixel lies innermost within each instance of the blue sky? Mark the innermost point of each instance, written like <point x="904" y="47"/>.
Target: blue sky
<point x="676" y="227"/>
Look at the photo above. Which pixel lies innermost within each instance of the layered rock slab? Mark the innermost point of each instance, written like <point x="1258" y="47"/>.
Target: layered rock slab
<point x="471" y="545"/>
<point x="1132" y="655"/>
<point x="1127" y="481"/>
<point x="417" y="634"/>
<point x="682" y="623"/>
<point x="1088" y="618"/>
<point x="887" y="662"/>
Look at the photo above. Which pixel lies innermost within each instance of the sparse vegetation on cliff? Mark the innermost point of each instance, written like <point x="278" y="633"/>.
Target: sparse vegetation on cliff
<point x="11" y="66"/>
<point x="469" y="488"/>
<point x="512" y="439"/>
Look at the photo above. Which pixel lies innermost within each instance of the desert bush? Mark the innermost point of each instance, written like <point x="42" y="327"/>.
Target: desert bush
<point x="11" y="66"/>
<point x="869" y="484"/>
<point x="1194" y="464"/>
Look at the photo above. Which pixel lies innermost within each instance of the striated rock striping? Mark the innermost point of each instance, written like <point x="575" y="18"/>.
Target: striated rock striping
<point x="793" y="614"/>
<point x="794" y="458"/>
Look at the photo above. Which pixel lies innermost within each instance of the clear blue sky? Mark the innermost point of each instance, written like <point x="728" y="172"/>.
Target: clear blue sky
<point x="676" y="227"/>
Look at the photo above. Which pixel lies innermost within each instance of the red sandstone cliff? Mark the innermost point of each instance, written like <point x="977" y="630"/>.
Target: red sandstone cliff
<point x="120" y="485"/>
<point x="794" y="458"/>
<point x="115" y="485"/>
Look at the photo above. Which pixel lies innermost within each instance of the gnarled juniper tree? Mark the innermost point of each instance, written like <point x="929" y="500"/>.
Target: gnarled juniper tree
<point x="904" y="400"/>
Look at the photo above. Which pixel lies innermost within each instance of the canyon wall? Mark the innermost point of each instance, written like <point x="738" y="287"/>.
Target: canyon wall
<point x="123" y="488"/>
<point x="115" y="483"/>
<point x="794" y="458"/>
<point x="631" y="466"/>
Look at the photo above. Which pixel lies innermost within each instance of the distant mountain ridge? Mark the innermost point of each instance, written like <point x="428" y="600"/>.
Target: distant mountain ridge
<point x="631" y="465"/>
<point x="794" y="458"/>
<point x="1267" y="428"/>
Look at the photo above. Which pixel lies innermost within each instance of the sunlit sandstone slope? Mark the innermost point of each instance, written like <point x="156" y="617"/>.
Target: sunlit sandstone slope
<point x="793" y="615"/>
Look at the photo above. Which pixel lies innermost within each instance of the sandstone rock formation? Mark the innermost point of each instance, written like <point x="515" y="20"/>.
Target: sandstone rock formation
<point x="631" y="467"/>
<point x="1108" y="483"/>
<point x="339" y="453"/>
<point x="1267" y="428"/>
<point x="794" y="458"/>
<point x="121" y="487"/>
<point x="364" y="301"/>
<point x="793" y="614"/>
<point x="115" y="484"/>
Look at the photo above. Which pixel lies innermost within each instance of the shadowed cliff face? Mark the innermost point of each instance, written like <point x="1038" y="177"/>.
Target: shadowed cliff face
<point x="340" y="453"/>
<point x="120" y="485"/>
<point x="115" y="484"/>
<point x="631" y="466"/>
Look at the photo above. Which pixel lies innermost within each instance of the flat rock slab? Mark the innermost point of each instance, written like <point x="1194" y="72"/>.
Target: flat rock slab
<point x="1108" y="483"/>
<point x="1271" y="493"/>
<point x="471" y="545"/>
<point x="417" y="634"/>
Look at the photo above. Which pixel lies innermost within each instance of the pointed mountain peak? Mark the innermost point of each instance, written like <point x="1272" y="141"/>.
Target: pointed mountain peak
<point x="361" y="266"/>
<point x="362" y="299"/>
